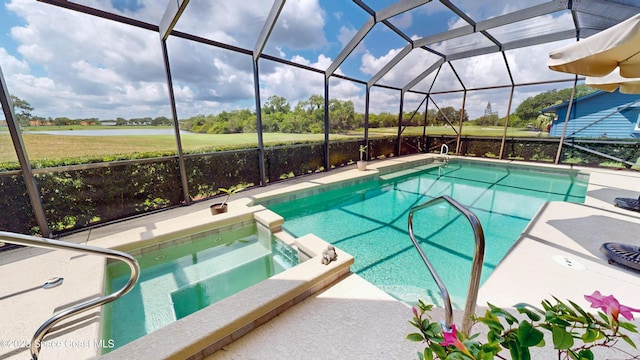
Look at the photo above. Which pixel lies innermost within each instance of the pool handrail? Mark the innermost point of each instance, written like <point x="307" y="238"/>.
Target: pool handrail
<point x="28" y="240"/>
<point x="476" y="266"/>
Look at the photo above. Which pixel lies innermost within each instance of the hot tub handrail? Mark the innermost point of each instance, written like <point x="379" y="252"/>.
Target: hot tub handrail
<point x="27" y="240"/>
<point x="476" y="267"/>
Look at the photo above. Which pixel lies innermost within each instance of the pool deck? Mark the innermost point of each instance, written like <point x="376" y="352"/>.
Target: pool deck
<point x="557" y="255"/>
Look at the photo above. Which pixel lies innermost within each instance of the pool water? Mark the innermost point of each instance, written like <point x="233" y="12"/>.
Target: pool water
<point x="178" y="280"/>
<point x="369" y="221"/>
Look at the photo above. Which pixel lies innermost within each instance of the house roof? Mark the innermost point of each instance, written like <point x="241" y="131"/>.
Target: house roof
<point x="554" y="108"/>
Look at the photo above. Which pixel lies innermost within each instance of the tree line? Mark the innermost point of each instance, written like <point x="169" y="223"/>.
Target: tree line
<point x="307" y="116"/>
<point x="528" y="112"/>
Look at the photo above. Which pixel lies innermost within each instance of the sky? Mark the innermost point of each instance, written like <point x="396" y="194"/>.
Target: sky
<point x="69" y="64"/>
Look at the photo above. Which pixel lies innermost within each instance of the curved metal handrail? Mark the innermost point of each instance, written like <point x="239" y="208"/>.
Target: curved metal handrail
<point x="444" y="149"/>
<point x="28" y="240"/>
<point x="476" y="266"/>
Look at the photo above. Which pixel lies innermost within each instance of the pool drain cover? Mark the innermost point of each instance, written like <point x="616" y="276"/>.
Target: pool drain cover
<point x="568" y="262"/>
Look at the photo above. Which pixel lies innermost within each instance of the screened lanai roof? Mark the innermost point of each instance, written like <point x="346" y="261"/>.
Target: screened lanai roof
<point x="417" y="46"/>
<point x="420" y="37"/>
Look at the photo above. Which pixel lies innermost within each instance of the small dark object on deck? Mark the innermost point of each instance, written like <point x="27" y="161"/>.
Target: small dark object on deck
<point x="628" y="203"/>
<point x="329" y="254"/>
<point x="624" y="254"/>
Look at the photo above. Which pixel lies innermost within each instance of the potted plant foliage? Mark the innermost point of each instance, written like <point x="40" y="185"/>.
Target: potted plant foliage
<point x="362" y="163"/>
<point x="219" y="208"/>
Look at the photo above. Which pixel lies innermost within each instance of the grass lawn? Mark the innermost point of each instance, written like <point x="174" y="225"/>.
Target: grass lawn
<point x="44" y="146"/>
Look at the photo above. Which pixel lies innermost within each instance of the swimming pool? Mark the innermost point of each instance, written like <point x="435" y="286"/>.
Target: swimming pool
<point x="369" y="221"/>
<point x="187" y="274"/>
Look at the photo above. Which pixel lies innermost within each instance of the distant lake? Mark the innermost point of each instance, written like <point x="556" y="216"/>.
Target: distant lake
<point x="114" y="132"/>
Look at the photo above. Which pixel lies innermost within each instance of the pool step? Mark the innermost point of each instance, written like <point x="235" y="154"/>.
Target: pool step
<point x="406" y="172"/>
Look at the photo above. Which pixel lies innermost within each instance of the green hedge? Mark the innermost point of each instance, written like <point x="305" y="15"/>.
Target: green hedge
<point x="206" y="173"/>
<point x="78" y="196"/>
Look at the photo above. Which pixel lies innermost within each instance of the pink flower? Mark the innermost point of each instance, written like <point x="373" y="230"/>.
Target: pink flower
<point x="415" y="312"/>
<point x="610" y="306"/>
<point x="451" y="338"/>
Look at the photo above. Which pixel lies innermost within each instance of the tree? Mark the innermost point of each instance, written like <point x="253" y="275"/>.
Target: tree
<point x="487" y="110"/>
<point x="490" y="118"/>
<point x="449" y="114"/>
<point x="341" y="115"/>
<point x="25" y="108"/>
<point x="62" y="121"/>
<point x="161" y="121"/>
<point x="529" y="109"/>
<point x="275" y="104"/>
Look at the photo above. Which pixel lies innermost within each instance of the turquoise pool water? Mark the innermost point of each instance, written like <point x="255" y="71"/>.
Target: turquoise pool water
<point x="188" y="275"/>
<point x="369" y="221"/>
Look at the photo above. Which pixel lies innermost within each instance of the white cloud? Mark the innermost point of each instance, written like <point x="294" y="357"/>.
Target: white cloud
<point x="300" y="26"/>
<point x="346" y="34"/>
<point x="403" y="20"/>
<point x="371" y="65"/>
<point x="11" y="64"/>
<point x="76" y="65"/>
<point x="82" y="63"/>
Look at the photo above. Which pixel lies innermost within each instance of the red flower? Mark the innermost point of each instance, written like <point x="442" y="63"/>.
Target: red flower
<point x="415" y="312"/>
<point x="610" y="306"/>
<point x="451" y="338"/>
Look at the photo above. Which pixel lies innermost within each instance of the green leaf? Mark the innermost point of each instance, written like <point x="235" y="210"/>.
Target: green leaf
<point x="530" y="314"/>
<point x="590" y="335"/>
<point x="629" y="326"/>
<point x="585" y="355"/>
<point x="438" y="350"/>
<point x="557" y="320"/>
<point x="629" y="341"/>
<point x="433" y="329"/>
<point x="426" y="355"/>
<point x="515" y="352"/>
<point x="586" y="316"/>
<point x="493" y="325"/>
<point x="457" y="356"/>
<point x="528" y="335"/>
<point x="505" y="314"/>
<point x="541" y="344"/>
<point x="562" y="339"/>
<point x="528" y="306"/>
<point x="415" y="337"/>
<point x="603" y="316"/>
<point x="495" y="337"/>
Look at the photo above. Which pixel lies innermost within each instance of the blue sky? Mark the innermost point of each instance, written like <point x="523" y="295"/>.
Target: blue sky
<point x="69" y="64"/>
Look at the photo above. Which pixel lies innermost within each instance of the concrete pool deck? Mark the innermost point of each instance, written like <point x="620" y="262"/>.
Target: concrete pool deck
<point x="351" y="319"/>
